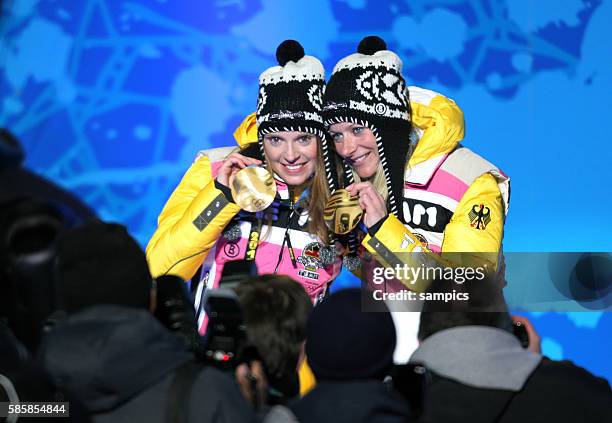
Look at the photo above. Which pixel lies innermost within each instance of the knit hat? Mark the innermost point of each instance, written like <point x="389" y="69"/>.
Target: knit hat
<point x="344" y="342"/>
<point x="290" y="99"/>
<point x="100" y="263"/>
<point x="367" y="88"/>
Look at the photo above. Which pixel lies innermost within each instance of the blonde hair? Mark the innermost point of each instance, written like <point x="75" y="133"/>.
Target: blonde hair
<point x="319" y="195"/>
<point x="378" y="181"/>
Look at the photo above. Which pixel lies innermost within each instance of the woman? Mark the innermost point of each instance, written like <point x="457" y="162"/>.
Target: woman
<point x="201" y="224"/>
<point x="417" y="185"/>
<point x="419" y="188"/>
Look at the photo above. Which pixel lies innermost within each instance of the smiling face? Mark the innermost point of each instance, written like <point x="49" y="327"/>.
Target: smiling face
<point x="357" y="145"/>
<point x="292" y="155"/>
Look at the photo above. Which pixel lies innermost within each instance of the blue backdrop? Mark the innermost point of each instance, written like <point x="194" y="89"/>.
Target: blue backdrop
<point x="112" y="99"/>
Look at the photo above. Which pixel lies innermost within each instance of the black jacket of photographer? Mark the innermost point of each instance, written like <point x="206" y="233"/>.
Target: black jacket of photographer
<point x="482" y="374"/>
<point x="124" y="364"/>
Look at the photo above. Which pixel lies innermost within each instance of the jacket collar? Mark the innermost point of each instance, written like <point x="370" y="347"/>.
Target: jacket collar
<point x="422" y="173"/>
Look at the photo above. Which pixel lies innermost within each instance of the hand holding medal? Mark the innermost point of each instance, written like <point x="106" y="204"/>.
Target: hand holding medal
<point x="342" y="212"/>
<point x="253" y="188"/>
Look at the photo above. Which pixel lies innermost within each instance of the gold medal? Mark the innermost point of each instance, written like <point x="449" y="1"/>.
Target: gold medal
<point x="253" y="188"/>
<point x="342" y="212"/>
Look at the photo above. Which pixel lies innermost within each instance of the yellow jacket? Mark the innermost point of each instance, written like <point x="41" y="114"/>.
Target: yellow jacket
<point x="454" y="200"/>
<point x="178" y="246"/>
<point x="190" y="226"/>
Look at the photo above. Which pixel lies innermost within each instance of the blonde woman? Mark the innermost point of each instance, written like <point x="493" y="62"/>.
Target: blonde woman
<point x="201" y="225"/>
<point x="420" y="189"/>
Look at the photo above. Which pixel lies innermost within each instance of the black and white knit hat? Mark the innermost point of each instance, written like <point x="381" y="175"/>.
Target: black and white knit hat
<point x="291" y="98"/>
<point x="367" y="88"/>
